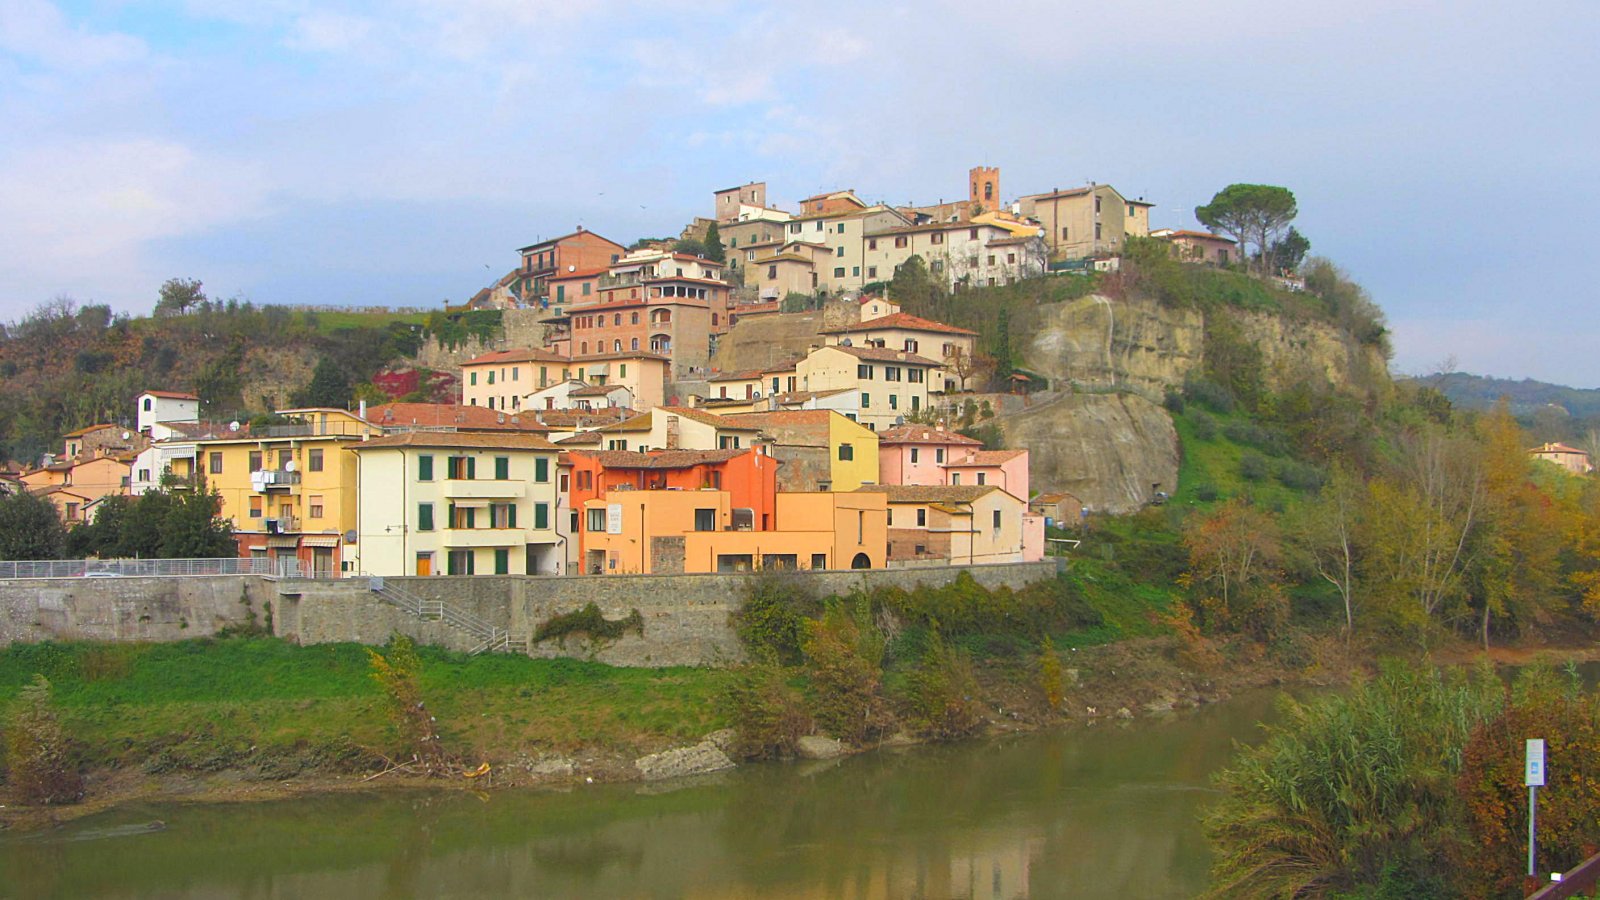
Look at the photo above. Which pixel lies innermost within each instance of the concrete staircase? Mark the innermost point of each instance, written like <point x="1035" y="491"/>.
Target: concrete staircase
<point x="491" y="639"/>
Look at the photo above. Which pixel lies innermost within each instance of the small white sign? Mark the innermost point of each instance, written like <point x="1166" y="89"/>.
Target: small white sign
<point x="614" y="518"/>
<point x="1533" y="775"/>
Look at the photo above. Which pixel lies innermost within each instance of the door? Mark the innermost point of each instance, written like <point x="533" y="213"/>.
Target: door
<point x="424" y="563"/>
<point x="322" y="561"/>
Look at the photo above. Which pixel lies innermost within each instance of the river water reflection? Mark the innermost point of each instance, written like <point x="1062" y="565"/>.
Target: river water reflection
<point x="1104" y="811"/>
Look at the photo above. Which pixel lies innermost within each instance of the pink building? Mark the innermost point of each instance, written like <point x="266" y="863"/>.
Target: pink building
<point x="1005" y="469"/>
<point x="927" y="455"/>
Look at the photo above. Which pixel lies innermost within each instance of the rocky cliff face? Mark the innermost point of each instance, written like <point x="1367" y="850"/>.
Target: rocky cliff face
<point x="1112" y="451"/>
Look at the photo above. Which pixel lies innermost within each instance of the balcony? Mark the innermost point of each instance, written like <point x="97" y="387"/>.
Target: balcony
<point x="283" y="525"/>
<point x="462" y="538"/>
<point x="483" y="489"/>
<point x="266" y="480"/>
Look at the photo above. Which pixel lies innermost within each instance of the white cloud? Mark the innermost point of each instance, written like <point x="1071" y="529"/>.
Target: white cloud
<point x="80" y="216"/>
<point x="329" y="32"/>
<point x="37" y="30"/>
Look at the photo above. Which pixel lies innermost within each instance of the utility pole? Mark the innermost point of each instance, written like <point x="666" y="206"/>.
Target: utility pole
<point x="1533" y="777"/>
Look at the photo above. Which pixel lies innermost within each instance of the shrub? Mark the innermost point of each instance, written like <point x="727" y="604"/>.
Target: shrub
<point x="1205" y="493"/>
<point x="38" y="759"/>
<point x="398" y="670"/>
<point x="1052" y="682"/>
<point x="1205" y="427"/>
<point x="964" y="607"/>
<point x="1209" y="394"/>
<point x="843" y="659"/>
<point x="1173" y="401"/>
<point x="1300" y="476"/>
<point x="768" y="714"/>
<point x="1253" y="467"/>
<point x="771" y="622"/>
<point x="938" y="692"/>
<point x="589" y="621"/>
<point x="1253" y="435"/>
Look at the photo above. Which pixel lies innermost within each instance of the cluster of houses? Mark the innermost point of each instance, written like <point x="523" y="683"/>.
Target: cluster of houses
<point x="435" y="489"/>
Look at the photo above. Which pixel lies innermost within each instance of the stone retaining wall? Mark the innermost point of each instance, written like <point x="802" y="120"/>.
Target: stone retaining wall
<point x="130" y="608"/>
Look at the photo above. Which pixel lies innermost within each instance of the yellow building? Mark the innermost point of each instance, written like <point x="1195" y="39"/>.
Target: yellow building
<point x="1093" y="220"/>
<point x="820" y="449"/>
<point x="891" y="384"/>
<point x="458" y="503"/>
<point x="667" y="532"/>
<point x="290" y="490"/>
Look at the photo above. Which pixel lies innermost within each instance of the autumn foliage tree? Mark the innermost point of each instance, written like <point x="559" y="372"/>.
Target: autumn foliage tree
<point x="1234" y="553"/>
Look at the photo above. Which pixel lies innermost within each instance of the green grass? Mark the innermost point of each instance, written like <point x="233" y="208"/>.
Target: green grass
<point x="1130" y="608"/>
<point x="1216" y="463"/>
<point x="214" y="703"/>
<point x="328" y="322"/>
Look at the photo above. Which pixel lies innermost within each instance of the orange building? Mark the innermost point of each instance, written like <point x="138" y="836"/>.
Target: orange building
<point x="568" y="253"/>
<point x="663" y="532"/>
<point x="748" y="477"/>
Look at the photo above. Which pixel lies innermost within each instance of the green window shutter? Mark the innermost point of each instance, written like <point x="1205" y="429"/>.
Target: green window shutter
<point x="472" y="517"/>
<point x="502" y="562"/>
<point x="502" y="468"/>
<point x="541" y="515"/>
<point x="450" y="565"/>
<point x="541" y="470"/>
<point x="424" y="516"/>
<point x="425" y="468"/>
<point x="472" y="467"/>
<point x="511" y="515"/>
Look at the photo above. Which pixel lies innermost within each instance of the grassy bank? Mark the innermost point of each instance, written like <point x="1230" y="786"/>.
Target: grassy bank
<point x="273" y="709"/>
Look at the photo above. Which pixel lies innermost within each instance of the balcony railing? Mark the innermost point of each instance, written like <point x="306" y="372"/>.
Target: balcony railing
<point x="273" y="479"/>
<point x="116" y="568"/>
<point x="483" y="489"/>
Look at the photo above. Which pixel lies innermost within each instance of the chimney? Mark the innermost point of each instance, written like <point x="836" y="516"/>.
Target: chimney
<point x="363" y="410"/>
<point x="672" y="432"/>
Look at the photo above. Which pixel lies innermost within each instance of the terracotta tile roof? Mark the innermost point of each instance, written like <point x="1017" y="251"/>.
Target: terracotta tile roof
<point x="83" y="431"/>
<point x="579" y="232"/>
<point x="457" y="439"/>
<point x="1053" y="498"/>
<point x="803" y="396"/>
<point x="1183" y="233"/>
<point x="985" y="458"/>
<point x="646" y="422"/>
<point x="904" y="321"/>
<point x="597" y="390"/>
<point x="924" y="434"/>
<point x="1055" y="195"/>
<point x="447" y="415"/>
<point x="171" y="395"/>
<point x="582" y="437"/>
<point x="627" y="354"/>
<point x="659" y="459"/>
<point x="930" y="493"/>
<point x="750" y="375"/>
<point x="783" y="417"/>
<point x="1556" y="448"/>
<point x="884" y="354"/>
<point x="1014" y="241"/>
<point x="201" y="430"/>
<point x="578" y="418"/>
<point x="495" y="357"/>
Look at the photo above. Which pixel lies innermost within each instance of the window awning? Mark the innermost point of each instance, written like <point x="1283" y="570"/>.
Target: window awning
<point x="319" y="540"/>
<point x="283" y="541"/>
<point x="471" y="502"/>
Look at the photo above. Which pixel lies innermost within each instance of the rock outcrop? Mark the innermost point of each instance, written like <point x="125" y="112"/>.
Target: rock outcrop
<point x="699" y="759"/>
<point x="1110" y="450"/>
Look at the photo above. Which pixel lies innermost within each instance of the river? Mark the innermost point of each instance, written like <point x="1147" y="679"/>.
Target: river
<point x="1108" y="810"/>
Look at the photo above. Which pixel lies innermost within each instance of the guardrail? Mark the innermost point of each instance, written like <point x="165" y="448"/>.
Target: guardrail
<point x="116" y="568"/>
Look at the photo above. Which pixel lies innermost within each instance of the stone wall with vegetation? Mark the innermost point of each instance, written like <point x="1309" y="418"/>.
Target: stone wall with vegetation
<point x="131" y="609"/>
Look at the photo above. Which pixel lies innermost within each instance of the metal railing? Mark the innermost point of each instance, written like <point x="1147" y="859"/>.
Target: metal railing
<point x="116" y="568"/>
<point x="491" y="638"/>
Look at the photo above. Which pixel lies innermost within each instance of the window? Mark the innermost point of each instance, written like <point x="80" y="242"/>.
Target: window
<point x="911" y="345"/>
<point x="503" y="515"/>
<point x="855" y="271"/>
<point x="983" y="478"/>
<point x="914" y="454"/>
<point x="472" y="378"/>
<point x="463" y="516"/>
<point x="938" y="455"/>
<point x="936" y="238"/>
<point x="461" y="562"/>
<point x="148" y="404"/>
<point x="541" y="470"/>
<point x="502" y="468"/>
<point x="772" y="271"/>
<point x="864" y="372"/>
<point x="491" y="376"/>
<point x="255" y="507"/>
<point x="634" y="344"/>
<point x="424" y="516"/>
<point x="1063" y="232"/>
<point x="972" y="234"/>
<point x="846" y="452"/>
<point x="996" y="518"/>
<point x="144" y="474"/>
<point x="728" y="442"/>
<point x="838" y="272"/>
<point x="314" y="506"/>
<point x="921" y="549"/>
<point x="819" y="560"/>
<point x="900" y="241"/>
<point x="597" y="521"/>
<point x="541" y="515"/>
<point x="216" y="463"/>
<point x="916" y="403"/>
<point x="616" y="318"/>
<point x="991" y="259"/>
<point x="633" y="318"/>
<point x="922" y="517"/>
<point x="891" y="373"/>
<point x="314" y="459"/>
<point x="1097" y="228"/>
<point x="616" y="346"/>
<point x="872" y="271"/>
<point x="461" y="468"/>
<point x="914" y="375"/>
<point x="872" y="243"/>
<point x="502" y="561"/>
<point x="819" y="224"/>
<point x="866" y="400"/>
<point x="955" y="477"/>
<point x="838" y="251"/>
<point x="584" y="347"/>
<point x="425" y="467"/>
<point x="705" y="520"/>
<point x="255" y="460"/>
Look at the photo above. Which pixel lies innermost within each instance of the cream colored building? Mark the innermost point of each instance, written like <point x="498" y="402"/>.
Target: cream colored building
<point x="984" y="252"/>
<point x="676" y="428"/>
<point x="844" y="267"/>
<point x="959" y="525"/>
<point x="891" y="384"/>
<point x="503" y="379"/>
<point x="458" y="503"/>
<point x="1093" y="220"/>
<point x="1200" y="246"/>
<point x="952" y="346"/>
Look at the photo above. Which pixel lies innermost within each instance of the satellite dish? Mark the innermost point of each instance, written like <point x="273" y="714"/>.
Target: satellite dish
<point x="234" y="425"/>
<point x="572" y="268"/>
<point x="126" y="435"/>
<point x="289" y="466"/>
<point x="350" y="537"/>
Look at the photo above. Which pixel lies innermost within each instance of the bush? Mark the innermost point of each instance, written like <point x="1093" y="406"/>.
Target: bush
<point x="1253" y="467"/>
<point x="1205" y="427"/>
<point x="1052" y="682"/>
<point x="768" y="714"/>
<point x="938" y="693"/>
<point x="963" y="607"/>
<point x="1253" y="435"/>
<point x="38" y="759"/>
<point x="589" y="621"/>
<point x="771" y="622"/>
<point x="843" y="660"/>
<point x="1300" y="476"/>
<point x="1209" y="394"/>
<point x="1173" y="401"/>
<point x="1205" y="493"/>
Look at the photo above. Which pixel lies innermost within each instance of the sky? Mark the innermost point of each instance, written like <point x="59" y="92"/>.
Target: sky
<point x="398" y="153"/>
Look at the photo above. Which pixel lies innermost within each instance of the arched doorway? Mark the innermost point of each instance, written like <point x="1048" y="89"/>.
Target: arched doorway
<point x="861" y="562"/>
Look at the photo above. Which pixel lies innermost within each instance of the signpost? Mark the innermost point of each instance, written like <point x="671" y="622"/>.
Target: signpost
<point x="1533" y="777"/>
